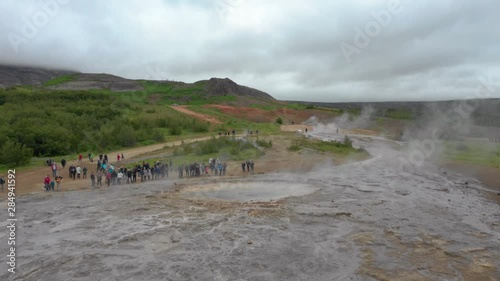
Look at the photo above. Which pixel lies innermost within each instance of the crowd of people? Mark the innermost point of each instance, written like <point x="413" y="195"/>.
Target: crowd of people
<point x="110" y="174"/>
<point x="215" y="168"/>
<point x="74" y="171"/>
<point x="123" y="175"/>
<point x="49" y="184"/>
<point x="249" y="165"/>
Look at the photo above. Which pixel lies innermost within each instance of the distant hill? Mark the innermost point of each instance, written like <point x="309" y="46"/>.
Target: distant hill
<point x="19" y="75"/>
<point x="485" y="112"/>
<point x="217" y="86"/>
<point x="86" y="81"/>
<point x="178" y="91"/>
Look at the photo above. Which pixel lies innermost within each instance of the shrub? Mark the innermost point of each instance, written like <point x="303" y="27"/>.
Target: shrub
<point x="295" y="146"/>
<point x="187" y="149"/>
<point x="15" y="154"/>
<point x="177" y="151"/>
<point x="175" y="131"/>
<point x="158" y="135"/>
<point x="126" y="136"/>
<point x="347" y="142"/>
<point x="263" y="143"/>
<point x="200" y="127"/>
<point x="279" y="120"/>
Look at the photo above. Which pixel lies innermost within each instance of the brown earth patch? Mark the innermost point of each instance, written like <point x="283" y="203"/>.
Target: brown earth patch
<point x="261" y="115"/>
<point x="488" y="175"/>
<point x="428" y="253"/>
<point x="295" y="128"/>
<point x="204" y="117"/>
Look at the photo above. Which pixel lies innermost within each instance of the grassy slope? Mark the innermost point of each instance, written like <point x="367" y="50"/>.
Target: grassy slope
<point x="168" y="93"/>
<point x="477" y="152"/>
<point x="60" y="80"/>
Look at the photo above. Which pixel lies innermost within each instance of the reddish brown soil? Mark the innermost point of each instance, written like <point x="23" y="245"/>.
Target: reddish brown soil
<point x="261" y="115"/>
<point x="489" y="176"/>
<point x="204" y="117"/>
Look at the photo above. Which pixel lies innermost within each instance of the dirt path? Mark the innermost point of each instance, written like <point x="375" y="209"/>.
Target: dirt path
<point x="204" y="117"/>
<point x="295" y="128"/>
<point x="32" y="180"/>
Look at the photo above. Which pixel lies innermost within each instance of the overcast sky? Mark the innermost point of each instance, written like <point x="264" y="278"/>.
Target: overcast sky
<point x="352" y="50"/>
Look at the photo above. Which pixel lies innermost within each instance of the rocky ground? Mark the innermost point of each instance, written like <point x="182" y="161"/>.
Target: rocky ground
<point x="361" y="221"/>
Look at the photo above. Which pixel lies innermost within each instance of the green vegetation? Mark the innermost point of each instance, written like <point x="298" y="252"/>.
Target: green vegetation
<point x="227" y="147"/>
<point x="263" y="143"/>
<point x="60" y="80"/>
<point x="341" y="147"/>
<point x="264" y="107"/>
<point x="168" y="93"/>
<point x="279" y="120"/>
<point x="474" y="152"/>
<point x="398" y="113"/>
<point x="295" y="146"/>
<point x="51" y="123"/>
<point x="15" y="154"/>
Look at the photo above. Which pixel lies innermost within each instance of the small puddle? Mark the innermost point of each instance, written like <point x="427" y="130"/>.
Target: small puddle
<point x="246" y="192"/>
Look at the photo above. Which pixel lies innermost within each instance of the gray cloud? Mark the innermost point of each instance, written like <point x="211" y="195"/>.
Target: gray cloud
<point x="290" y="49"/>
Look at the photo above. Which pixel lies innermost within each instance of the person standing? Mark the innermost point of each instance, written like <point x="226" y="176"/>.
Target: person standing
<point x="80" y="158"/>
<point x="85" y="172"/>
<point x="54" y="169"/>
<point x="134" y="175"/>
<point x="58" y="182"/>
<point x="119" y="177"/>
<point x="108" y="179"/>
<point x="219" y="166"/>
<point x="129" y="176"/>
<point x="91" y="157"/>
<point x="63" y="163"/>
<point x="118" y="157"/>
<point x="78" y="171"/>
<point x="46" y="183"/>
<point x="2" y="181"/>
<point x="92" y="179"/>
<point x="72" y="172"/>
<point x="99" y="178"/>
<point x="52" y="184"/>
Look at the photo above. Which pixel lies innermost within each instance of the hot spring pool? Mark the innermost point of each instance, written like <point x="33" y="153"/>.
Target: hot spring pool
<point x="248" y="191"/>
